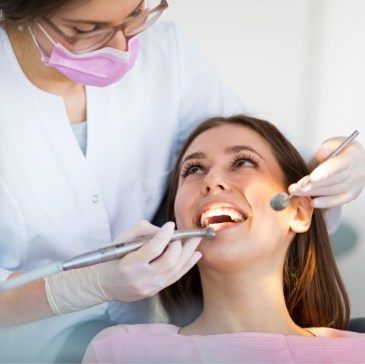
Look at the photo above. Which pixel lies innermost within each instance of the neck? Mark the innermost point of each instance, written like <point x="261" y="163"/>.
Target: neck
<point x="237" y="302"/>
<point x="46" y="78"/>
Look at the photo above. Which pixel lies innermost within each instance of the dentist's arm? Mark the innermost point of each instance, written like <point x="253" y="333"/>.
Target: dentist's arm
<point x="139" y="274"/>
<point x="24" y="304"/>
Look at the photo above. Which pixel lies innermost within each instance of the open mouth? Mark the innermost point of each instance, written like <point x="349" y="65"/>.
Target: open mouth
<point x="218" y="217"/>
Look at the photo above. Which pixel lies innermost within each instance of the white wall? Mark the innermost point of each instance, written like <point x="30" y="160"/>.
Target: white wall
<point x="337" y="107"/>
<point x="299" y="63"/>
<point x="260" y="49"/>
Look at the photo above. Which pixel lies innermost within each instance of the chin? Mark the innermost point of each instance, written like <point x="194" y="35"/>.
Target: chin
<point x="222" y="259"/>
<point x="229" y="240"/>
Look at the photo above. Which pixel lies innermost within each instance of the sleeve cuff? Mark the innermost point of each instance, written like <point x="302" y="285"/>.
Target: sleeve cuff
<point x="332" y="217"/>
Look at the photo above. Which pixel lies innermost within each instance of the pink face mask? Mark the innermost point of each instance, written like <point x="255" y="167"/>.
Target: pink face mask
<point x="100" y="68"/>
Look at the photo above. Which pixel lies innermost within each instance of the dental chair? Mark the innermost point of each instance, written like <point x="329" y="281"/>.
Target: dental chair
<point x="357" y="324"/>
<point x="161" y="215"/>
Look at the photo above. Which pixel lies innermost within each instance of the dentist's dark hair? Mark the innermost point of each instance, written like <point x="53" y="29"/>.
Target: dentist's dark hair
<point x="314" y="292"/>
<point x="21" y="11"/>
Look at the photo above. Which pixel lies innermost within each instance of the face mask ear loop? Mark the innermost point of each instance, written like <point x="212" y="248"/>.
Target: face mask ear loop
<point x="44" y="32"/>
<point x="39" y="46"/>
<point x="33" y="37"/>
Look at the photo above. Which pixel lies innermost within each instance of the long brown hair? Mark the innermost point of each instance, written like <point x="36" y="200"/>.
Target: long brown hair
<point x="314" y="292"/>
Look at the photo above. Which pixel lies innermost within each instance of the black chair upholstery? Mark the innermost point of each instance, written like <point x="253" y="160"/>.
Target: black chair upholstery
<point x="357" y="324"/>
<point x="161" y="214"/>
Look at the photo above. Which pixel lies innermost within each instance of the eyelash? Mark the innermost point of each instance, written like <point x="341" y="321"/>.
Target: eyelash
<point x="135" y="14"/>
<point x="138" y="11"/>
<point x="245" y="157"/>
<point x="186" y="171"/>
<point x="79" y="31"/>
<point x="188" y="166"/>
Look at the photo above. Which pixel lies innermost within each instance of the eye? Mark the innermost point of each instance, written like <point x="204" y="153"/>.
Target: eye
<point x="244" y="161"/>
<point x="192" y="168"/>
<point x="137" y="12"/>
<point x="84" y="31"/>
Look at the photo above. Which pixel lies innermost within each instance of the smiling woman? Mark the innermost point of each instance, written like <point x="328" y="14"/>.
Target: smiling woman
<point x="268" y="285"/>
<point x="241" y="162"/>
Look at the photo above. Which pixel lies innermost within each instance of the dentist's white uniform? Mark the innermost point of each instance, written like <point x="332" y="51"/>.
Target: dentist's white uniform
<point x="56" y="203"/>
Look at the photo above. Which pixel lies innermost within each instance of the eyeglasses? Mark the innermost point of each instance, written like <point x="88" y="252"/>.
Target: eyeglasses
<point x="143" y="17"/>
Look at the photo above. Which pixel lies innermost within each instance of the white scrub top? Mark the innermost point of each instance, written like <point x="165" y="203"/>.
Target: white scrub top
<point x="56" y="203"/>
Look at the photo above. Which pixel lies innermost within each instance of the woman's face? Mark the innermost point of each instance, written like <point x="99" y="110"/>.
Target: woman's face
<point x="227" y="177"/>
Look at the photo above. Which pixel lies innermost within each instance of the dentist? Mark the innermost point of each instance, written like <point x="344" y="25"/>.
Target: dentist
<point x="92" y="111"/>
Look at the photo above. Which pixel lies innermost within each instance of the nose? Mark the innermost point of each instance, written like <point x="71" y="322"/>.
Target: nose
<point x="118" y="41"/>
<point x="214" y="182"/>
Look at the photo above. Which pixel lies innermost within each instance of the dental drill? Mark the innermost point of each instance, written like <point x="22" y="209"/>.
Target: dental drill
<point x="280" y="201"/>
<point x="105" y="254"/>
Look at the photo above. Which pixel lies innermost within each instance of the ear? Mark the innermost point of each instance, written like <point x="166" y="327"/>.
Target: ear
<point x="302" y="214"/>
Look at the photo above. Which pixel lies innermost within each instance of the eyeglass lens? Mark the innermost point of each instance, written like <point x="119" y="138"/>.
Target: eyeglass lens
<point x="89" y="41"/>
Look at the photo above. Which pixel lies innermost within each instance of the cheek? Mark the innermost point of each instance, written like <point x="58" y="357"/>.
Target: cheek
<point x="259" y="193"/>
<point x="266" y="220"/>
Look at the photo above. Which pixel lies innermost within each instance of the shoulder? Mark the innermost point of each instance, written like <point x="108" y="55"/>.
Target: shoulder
<point x="161" y="31"/>
<point x="167" y="39"/>
<point x="128" y="342"/>
<point x="334" y="333"/>
<point x="151" y="329"/>
<point x="159" y="37"/>
<point x="127" y="330"/>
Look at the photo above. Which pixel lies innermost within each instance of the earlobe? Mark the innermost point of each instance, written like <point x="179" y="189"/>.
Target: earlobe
<point x="302" y="214"/>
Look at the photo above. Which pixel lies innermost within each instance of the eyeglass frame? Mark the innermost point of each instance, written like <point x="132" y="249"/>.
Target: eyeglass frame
<point x="114" y="29"/>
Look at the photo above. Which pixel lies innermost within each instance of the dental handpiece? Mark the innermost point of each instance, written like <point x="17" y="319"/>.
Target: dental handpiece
<point x="119" y="250"/>
<point x="280" y="201"/>
<point x="101" y="255"/>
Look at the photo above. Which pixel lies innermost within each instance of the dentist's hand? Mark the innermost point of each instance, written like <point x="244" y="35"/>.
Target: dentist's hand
<point x="137" y="275"/>
<point x="154" y="266"/>
<point x="336" y="181"/>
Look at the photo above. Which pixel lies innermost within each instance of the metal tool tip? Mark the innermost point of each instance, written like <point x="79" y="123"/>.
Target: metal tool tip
<point x="279" y="201"/>
<point x="210" y="233"/>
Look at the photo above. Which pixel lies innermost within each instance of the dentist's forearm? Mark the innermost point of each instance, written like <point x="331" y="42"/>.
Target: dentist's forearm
<point x="24" y="304"/>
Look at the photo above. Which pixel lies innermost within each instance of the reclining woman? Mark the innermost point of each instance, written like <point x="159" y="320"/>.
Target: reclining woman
<point x="267" y="288"/>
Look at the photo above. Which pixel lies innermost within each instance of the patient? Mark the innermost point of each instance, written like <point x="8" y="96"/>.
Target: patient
<point x="267" y="288"/>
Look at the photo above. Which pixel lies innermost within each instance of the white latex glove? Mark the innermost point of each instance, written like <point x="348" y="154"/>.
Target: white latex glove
<point x="149" y="269"/>
<point x="336" y="181"/>
<point x="137" y="275"/>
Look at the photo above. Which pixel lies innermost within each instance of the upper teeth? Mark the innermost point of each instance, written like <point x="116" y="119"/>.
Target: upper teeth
<point x="233" y="214"/>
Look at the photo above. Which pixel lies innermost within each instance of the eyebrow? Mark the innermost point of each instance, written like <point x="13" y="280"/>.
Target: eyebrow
<point x="238" y="148"/>
<point x="233" y="149"/>
<point x="88" y="21"/>
<point x="196" y="155"/>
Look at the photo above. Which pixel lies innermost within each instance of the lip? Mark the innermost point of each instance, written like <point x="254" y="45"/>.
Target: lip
<point x="217" y="204"/>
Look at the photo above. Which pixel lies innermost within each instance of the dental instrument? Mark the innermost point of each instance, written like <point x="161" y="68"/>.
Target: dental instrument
<point x="101" y="255"/>
<point x="280" y="201"/>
